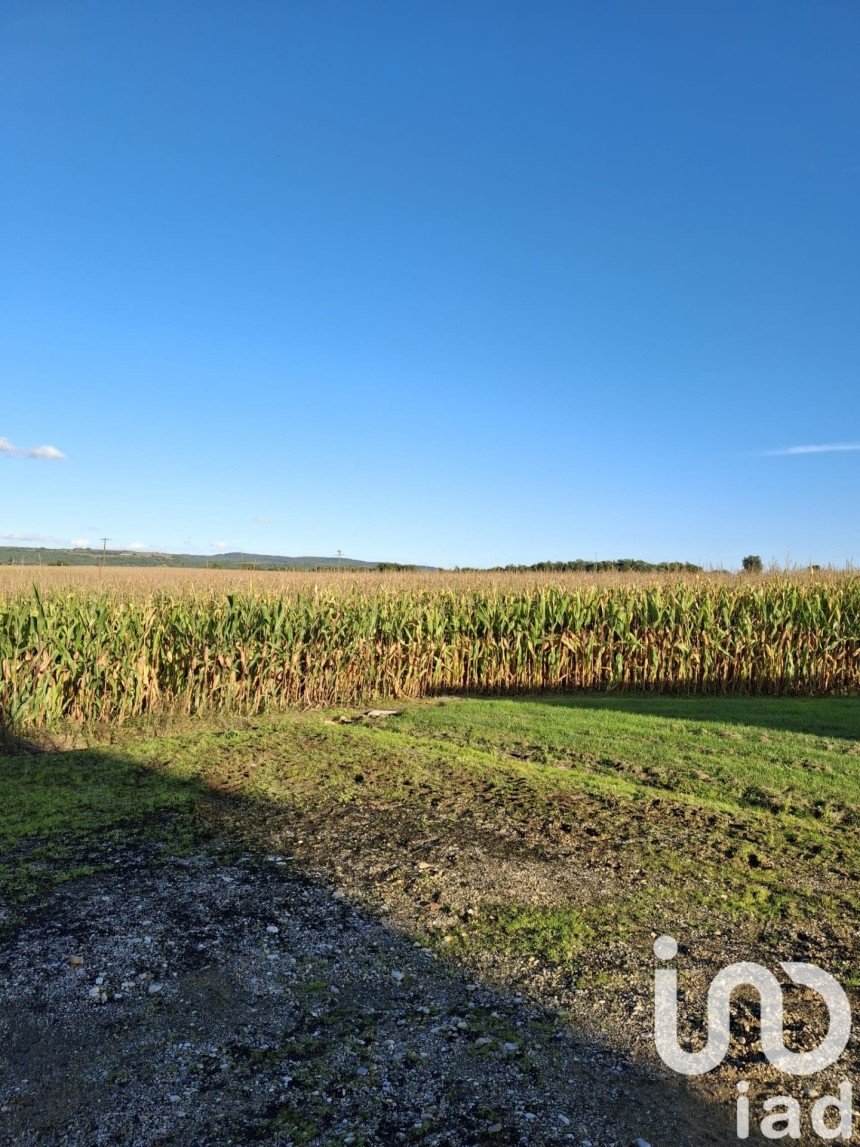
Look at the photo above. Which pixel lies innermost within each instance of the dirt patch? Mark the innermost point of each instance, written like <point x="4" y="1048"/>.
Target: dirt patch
<point x="197" y="1001"/>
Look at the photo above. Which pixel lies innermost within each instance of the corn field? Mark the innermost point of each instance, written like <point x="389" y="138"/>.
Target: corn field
<point x="91" y="653"/>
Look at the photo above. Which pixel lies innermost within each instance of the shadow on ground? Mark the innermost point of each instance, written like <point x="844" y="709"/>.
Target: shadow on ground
<point x="188" y="986"/>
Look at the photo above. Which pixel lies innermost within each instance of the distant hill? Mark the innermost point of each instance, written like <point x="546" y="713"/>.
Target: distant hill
<point x="237" y="559"/>
<point x="34" y="556"/>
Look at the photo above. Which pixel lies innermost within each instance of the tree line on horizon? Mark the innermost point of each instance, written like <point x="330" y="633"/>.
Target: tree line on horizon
<point x="617" y="565"/>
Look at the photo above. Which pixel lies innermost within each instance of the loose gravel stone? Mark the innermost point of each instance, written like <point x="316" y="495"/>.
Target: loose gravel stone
<point x="355" y="1030"/>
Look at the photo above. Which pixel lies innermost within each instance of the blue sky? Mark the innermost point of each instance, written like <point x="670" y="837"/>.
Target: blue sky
<point x="455" y="283"/>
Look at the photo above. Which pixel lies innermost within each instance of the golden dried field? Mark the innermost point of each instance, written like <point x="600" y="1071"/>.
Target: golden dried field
<point x="144" y="581"/>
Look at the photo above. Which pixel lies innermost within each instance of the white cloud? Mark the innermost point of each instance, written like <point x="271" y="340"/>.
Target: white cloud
<point x="137" y="546"/>
<point x="831" y="448"/>
<point x="262" y="520"/>
<point x="80" y="543"/>
<point x="49" y="453"/>
<point x="14" y="537"/>
<point x="220" y="546"/>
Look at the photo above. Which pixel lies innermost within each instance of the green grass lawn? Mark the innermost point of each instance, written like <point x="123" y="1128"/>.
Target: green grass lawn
<point x="788" y="756"/>
<point x="715" y="813"/>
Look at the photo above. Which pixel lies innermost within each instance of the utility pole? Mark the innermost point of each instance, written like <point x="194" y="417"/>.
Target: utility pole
<point x="339" y="556"/>
<point x="104" y="542"/>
